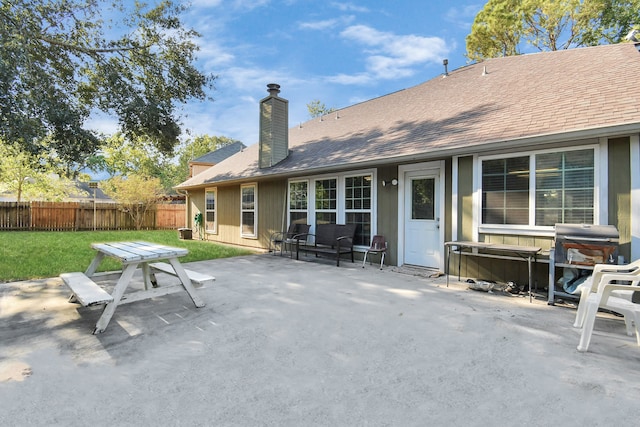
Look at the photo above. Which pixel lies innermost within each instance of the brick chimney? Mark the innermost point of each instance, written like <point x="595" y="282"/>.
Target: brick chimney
<point x="274" y="128"/>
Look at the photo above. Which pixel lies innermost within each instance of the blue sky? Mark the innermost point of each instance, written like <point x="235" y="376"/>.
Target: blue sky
<point x="339" y="53"/>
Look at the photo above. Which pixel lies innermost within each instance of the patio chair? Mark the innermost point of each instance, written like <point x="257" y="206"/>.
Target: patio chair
<point x="280" y="239"/>
<point x="591" y="285"/>
<point x="299" y="237"/>
<point x="378" y="246"/>
<point x="604" y="298"/>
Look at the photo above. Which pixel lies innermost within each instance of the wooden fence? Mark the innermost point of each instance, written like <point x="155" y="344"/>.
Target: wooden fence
<point x="61" y="216"/>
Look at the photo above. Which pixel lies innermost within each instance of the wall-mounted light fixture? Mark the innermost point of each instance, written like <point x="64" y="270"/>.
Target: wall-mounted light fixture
<point x="392" y="182"/>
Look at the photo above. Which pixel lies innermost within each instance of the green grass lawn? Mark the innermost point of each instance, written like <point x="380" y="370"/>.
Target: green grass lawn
<point x="39" y="254"/>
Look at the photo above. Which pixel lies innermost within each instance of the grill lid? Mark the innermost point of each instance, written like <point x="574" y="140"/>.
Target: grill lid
<point x="608" y="233"/>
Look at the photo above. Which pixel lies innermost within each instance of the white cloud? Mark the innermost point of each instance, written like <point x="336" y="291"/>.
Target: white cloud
<point x="355" y="79"/>
<point x="349" y="7"/>
<point x="463" y="17"/>
<point x="327" y="23"/>
<point x="206" y="3"/>
<point x="391" y="55"/>
<point x="250" y="4"/>
<point x="214" y="56"/>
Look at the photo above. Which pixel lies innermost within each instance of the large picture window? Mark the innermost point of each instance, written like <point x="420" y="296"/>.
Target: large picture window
<point x="341" y="199"/>
<point x="248" y="211"/>
<point x="540" y="189"/>
<point x="210" y="224"/>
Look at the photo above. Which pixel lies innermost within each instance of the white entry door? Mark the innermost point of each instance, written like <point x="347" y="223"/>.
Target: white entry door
<point x="422" y="241"/>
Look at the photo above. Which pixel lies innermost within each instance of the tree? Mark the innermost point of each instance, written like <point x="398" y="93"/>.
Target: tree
<point x="136" y="194"/>
<point x="61" y="60"/>
<point x="121" y="156"/>
<point x="195" y="148"/>
<point x="501" y="27"/>
<point x="29" y="176"/>
<point x="317" y="109"/>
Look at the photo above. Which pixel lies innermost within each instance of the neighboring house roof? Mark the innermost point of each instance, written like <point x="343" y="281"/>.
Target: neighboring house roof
<point x="503" y="102"/>
<point x="215" y="157"/>
<point x="85" y="193"/>
<point x="88" y="193"/>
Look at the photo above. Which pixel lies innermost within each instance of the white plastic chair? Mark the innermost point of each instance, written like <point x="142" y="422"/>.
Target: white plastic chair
<point x="604" y="298"/>
<point x="591" y="285"/>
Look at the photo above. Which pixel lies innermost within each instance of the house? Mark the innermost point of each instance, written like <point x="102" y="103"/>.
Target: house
<point x="498" y="151"/>
<point x="212" y="158"/>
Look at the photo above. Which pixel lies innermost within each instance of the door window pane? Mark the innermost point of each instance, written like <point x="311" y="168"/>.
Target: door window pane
<point x="422" y="198"/>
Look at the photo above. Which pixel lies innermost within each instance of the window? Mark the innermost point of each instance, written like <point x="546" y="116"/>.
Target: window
<point x="564" y="188"/>
<point x="298" y="196"/>
<point x="210" y="224"/>
<point x="342" y="199"/>
<point x="505" y="191"/>
<point x="423" y="204"/>
<point x="326" y="201"/>
<point x="541" y="189"/>
<point x="248" y="211"/>
<point x="358" y="207"/>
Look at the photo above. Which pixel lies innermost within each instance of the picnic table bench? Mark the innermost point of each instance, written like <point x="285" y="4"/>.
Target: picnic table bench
<point x="329" y="239"/>
<point x="145" y="255"/>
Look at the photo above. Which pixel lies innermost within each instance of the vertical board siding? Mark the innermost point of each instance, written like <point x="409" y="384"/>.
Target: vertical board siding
<point x="271" y="202"/>
<point x="387" y="211"/>
<point x="619" y="202"/>
<point x="465" y="198"/>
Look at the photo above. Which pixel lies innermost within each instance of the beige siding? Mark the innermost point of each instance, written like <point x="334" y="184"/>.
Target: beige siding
<point x="271" y="202"/>
<point x="271" y="209"/>
<point x="620" y="191"/>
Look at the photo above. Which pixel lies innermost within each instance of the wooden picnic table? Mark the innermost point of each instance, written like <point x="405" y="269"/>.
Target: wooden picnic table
<point x="132" y="255"/>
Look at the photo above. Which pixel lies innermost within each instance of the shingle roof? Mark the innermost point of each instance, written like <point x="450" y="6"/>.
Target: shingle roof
<point x="220" y="154"/>
<point x="584" y="92"/>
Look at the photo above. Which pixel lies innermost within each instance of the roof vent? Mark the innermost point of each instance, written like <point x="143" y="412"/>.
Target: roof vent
<point x="484" y="71"/>
<point x="445" y="62"/>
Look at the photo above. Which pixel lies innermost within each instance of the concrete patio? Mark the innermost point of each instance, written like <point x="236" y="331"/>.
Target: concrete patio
<point x="304" y="343"/>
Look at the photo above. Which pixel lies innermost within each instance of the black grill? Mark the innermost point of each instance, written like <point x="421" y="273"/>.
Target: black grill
<point x="580" y="244"/>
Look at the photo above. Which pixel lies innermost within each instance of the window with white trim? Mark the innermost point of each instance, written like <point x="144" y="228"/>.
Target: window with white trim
<point x="326" y="201"/>
<point x="210" y="212"/>
<point x="540" y="189"/>
<point x="358" y="206"/>
<point x="340" y="199"/>
<point x="249" y="210"/>
<point x="298" y="202"/>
